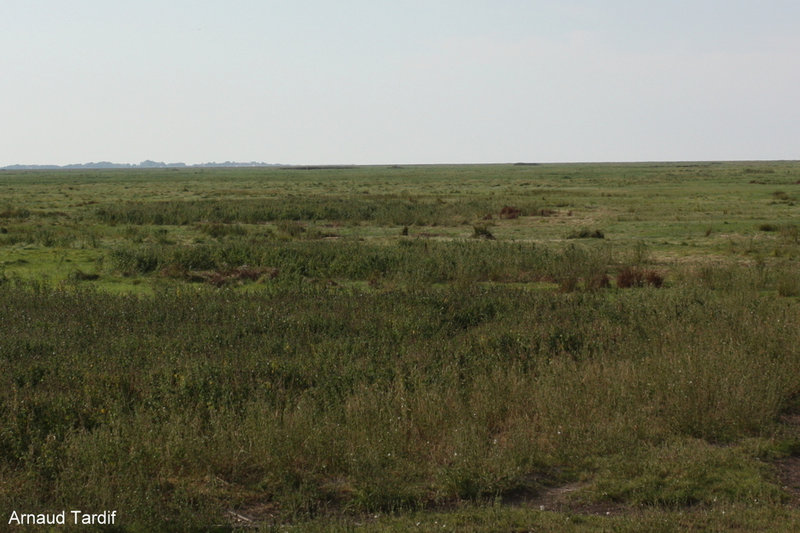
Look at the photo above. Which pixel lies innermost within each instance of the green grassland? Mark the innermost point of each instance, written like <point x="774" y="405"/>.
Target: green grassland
<point x="475" y="348"/>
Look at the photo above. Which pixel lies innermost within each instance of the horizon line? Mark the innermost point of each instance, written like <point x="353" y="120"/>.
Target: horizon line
<point x="150" y="164"/>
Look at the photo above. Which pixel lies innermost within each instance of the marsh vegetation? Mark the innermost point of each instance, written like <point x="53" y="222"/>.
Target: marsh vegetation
<point x="335" y="346"/>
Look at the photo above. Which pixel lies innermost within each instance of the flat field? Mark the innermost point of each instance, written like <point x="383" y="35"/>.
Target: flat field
<point x="487" y="347"/>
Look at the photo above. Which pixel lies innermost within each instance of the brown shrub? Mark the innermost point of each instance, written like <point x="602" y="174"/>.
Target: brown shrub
<point x="598" y="281"/>
<point x="510" y="212"/>
<point x="654" y="278"/>
<point x="173" y="270"/>
<point x="568" y="284"/>
<point x="634" y="277"/>
<point x="585" y="233"/>
<point x="629" y="277"/>
<point x="219" y="278"/>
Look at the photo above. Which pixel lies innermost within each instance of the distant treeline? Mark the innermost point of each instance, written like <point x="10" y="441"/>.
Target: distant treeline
<point x="143" y="164"/>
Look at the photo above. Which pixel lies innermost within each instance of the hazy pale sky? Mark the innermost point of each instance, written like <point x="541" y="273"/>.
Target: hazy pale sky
<point x="403" y="81"/>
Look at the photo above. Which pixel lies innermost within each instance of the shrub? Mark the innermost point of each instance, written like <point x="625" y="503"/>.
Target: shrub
<point x="482" y="232"/>
<point x="781" y="195"/>
<point x="790" y="233"/>
<point x="629" y="277"/>
<point x="293" y="229"/>
<point x="217" y="230"/>
<point x="789" y="284"/>
<point x="568" y="284"/>
<point x="636" y="277"/>
<point x="598" y="281"/>
<point x="15" y="213"/>
<point x="585" y="233"/>
<point x="220" y="278"/>
<point x="139" y="260"/>
<point x="79" y="275"/>
<point x="510" y="212"/>
<point x="653" y="278"/>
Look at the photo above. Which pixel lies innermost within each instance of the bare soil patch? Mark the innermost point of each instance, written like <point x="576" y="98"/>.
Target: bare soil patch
<point x="560" y="499"/>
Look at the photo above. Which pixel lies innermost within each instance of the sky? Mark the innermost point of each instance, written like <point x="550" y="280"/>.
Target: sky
<point x="402" y="81"/>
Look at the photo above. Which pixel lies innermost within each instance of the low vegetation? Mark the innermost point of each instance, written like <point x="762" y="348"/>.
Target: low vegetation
<point x="365" y="346"/>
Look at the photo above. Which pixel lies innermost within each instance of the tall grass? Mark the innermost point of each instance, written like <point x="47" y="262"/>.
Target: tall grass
<point x="406" y="260"/>
<point x="179" y="406"/>
<point x="385" y="210"/>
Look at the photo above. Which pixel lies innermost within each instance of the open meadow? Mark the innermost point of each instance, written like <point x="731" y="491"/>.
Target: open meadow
<point x="555" y="347"/>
